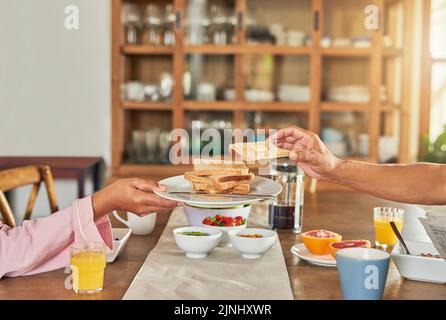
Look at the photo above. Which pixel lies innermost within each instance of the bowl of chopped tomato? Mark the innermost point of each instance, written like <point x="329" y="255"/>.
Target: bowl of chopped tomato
<point x="196" y="215"/>
<point x="225" y="224"/>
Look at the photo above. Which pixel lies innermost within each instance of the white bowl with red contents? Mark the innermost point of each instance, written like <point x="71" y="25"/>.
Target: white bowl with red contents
<point x="225" y="224"/>
<point x="196" y="215"/>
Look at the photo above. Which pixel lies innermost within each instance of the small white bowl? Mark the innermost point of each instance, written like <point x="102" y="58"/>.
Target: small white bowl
<point x="225" y="241"/>
<point x="252" y="248"/>
<point x="197" y="247"/>
<point x="120" y="237"/>
<point x="196" y="215"/>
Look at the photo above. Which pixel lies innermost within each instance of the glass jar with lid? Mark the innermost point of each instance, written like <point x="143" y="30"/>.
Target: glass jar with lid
<point x="286" y="210"/>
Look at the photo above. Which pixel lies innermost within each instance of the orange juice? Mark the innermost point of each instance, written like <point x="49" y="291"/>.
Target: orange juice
<point x="90" y="267"/>
<point x="384" y="235"/>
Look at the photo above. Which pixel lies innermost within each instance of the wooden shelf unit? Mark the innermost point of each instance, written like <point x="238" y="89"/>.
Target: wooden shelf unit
<point x="159" y="106"/>
<point x="122" y="54"/>
<point x="146" y="50"/>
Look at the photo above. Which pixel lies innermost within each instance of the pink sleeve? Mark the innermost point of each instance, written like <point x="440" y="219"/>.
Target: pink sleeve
<point x="42" y="245"/>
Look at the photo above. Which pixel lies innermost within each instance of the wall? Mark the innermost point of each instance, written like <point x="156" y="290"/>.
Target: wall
<point x="54" y="83"/>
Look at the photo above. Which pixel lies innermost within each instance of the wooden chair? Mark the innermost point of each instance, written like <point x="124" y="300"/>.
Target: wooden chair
<point x="14" y="178"/>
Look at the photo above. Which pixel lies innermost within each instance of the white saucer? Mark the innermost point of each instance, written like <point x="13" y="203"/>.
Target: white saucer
<point x="259" y="185"/>
<point x="323" y="261"/>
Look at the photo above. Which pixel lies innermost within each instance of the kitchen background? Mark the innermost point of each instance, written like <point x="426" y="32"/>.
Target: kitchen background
<point x="136" y="69"/>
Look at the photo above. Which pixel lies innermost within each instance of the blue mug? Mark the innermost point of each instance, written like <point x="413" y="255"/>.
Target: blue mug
<point x="362" y="273"/>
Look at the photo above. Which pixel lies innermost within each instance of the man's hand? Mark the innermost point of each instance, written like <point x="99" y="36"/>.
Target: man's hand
<point x="307" y="150"/>
<point x="132" y="195"/>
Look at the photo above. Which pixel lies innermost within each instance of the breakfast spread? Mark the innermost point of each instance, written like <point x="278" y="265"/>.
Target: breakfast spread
<point x="258" y="151"/>
<point x="222" y="221"/>
<point x="219" y="177"/>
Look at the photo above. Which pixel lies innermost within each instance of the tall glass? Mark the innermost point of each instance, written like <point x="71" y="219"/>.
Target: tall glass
<point x="87" y="262"/>
<point x="385" y="238"/>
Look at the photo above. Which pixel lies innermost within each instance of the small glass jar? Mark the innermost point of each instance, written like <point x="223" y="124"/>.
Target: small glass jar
<point x="131" y="20"/>
<point x="153" y="25"/>
<point x="168" y="26"/>
<point x="286" y="210"/>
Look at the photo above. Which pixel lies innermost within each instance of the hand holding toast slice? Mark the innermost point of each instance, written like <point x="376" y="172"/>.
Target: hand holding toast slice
<point x="258" y="151"/>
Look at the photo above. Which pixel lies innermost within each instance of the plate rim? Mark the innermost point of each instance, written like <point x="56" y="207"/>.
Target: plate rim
<point x="205" y="204"/>
<point x="322" y="263"/>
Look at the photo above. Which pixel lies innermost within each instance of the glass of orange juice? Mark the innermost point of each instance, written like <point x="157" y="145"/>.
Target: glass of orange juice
<point x="87" y="262"/>
<point x="384" y="235"/>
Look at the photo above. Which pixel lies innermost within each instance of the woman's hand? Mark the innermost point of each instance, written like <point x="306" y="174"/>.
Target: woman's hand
<point x="307" y="150"/>
<point x="132" y="195"/>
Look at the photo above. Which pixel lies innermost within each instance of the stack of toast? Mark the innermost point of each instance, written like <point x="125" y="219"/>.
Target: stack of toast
<point x="220" y="177"/>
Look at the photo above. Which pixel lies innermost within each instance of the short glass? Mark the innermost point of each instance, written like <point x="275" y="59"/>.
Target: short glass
<point x="385" y="238"/>
<point x="87" y="262"/>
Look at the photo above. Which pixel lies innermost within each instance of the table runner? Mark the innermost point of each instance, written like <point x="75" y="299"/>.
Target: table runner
<point x="168" y="274"/>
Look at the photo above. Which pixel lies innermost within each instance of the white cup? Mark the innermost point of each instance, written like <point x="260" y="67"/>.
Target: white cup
<point x="139" y="225"/>
<point x="134" y="91"/>
<point x="295" y="38"/>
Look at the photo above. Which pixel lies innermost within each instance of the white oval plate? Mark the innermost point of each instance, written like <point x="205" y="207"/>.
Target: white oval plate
<point x="323" y="261"/>
<point x="259" y="185"/>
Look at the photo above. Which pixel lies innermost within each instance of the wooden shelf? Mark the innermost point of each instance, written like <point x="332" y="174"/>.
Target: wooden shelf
<point x="146" y="50"/>
<point x="160" y="106"/>
<point x="211" y="105"/>
<point x="392" y="52"/>
<point x="343" y="106"/>
<point x="276" y="106"/>
<point x="390" y="108"/>
<point x="346" y="52"/>
<point x="246" y="49"/>
<point x="212" y="49"/>
<point x="254" y="49"/>
<point x="246" y="106"/>
<point x="274" y="49"/>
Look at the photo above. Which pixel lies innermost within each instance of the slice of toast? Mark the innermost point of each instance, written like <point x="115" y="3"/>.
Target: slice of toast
<point x="219" y="176"/>
<point x="192" y="177"/>
<point x="257" y="151"/>
<point x="240" y="188"/>
<point x="207" y="167"/>
<point x="220" y="171"/>
<point x="218" y="179"/>
<point x="239" y="178"/>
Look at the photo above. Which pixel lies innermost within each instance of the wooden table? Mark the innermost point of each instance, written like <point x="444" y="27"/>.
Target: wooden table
<point x="62" y="167"/>
<point x="347" y="213"/>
